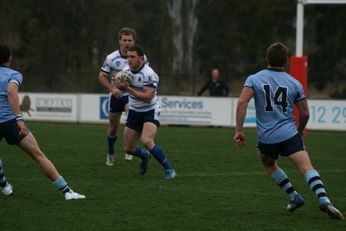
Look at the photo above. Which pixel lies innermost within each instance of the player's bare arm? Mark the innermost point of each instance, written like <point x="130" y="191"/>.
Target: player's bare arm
<point x="146" y="94"/>
<point x="13" y="99"/>
<point x="104" y="81"/>
<point x="304" y="114"/>
<point x="244" y="98"/>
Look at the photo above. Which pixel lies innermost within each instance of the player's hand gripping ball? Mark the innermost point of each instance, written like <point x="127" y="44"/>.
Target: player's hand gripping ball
<point x="123" y="77"/>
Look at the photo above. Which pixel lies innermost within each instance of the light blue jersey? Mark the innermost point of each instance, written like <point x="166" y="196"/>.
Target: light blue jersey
<point x="7" y="75"/>
<point x="275" y="95"/>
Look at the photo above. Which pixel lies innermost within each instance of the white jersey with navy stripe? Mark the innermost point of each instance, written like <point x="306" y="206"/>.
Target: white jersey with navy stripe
<point x="116" y="62"/>
<point x="145" y="77"/>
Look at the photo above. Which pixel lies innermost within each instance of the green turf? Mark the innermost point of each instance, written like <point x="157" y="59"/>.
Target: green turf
<point x="217" y="188"/>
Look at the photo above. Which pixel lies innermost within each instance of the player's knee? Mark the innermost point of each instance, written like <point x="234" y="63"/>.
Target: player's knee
<point x="305" y="168"/>
<point x="270" y="169"/>
<point x="270" y="166"/>
<point x="112" y="131"/>
<point x="129" y="149"/>
<point x="267" y="161"/>
<point x="147" y="142"/>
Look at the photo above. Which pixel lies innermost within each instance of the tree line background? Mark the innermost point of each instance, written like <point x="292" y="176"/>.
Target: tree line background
<point x="60" y="46"/>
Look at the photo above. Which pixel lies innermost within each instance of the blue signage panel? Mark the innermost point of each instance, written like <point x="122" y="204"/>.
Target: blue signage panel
<point x="103" y="107"/>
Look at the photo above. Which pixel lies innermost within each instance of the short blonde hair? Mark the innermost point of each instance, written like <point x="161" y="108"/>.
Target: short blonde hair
<point x="127" y="31"/>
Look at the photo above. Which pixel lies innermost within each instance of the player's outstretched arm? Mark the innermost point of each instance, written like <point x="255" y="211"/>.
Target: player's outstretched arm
<point x="244" y="98"/>
<point x="146" y="94"/>
<point x="304" y="114"/>
<point x="104" y="81"/>
<point x="13" y="99"/>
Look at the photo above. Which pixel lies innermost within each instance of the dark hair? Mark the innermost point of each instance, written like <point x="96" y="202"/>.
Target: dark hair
<point x="127" y="31"/>
<point x="277" y="54"/>
<point x="5" y="53"/>
<point x="138" y="49"/>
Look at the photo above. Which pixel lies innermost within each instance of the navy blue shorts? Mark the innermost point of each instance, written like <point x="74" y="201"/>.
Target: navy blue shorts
<point x="135" y="120"/>
<point x="10" y="132"/>
<point x="284" y="148"/>
<point x="117" y="105"/>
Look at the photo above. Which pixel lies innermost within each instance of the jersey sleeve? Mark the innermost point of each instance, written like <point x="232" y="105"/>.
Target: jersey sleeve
<point x="126" y="68"/>
<point x="249" y="82"/>
<point x="300" y="93"/>
<point x="151" y="81"/>
<point x="105" y="67"/>
<point x="16" y="78"/>
<point x="146" y="61"/>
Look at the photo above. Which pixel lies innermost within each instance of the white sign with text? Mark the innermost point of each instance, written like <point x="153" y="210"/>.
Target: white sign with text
<point x="50" y="107"/>
<point x="175" y="110"/>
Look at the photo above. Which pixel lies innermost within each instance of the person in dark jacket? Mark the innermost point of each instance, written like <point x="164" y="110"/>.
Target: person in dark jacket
<point x="215" y="86"/>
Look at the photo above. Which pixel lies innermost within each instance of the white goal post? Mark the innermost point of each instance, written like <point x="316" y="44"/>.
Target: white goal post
<point x="300" y="20"/>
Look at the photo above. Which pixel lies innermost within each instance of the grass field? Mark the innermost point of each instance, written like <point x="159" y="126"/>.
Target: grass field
<point x="217" y="188"/>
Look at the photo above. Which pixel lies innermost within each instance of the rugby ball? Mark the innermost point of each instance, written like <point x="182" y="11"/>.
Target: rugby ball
<point x="123" y="76"/>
